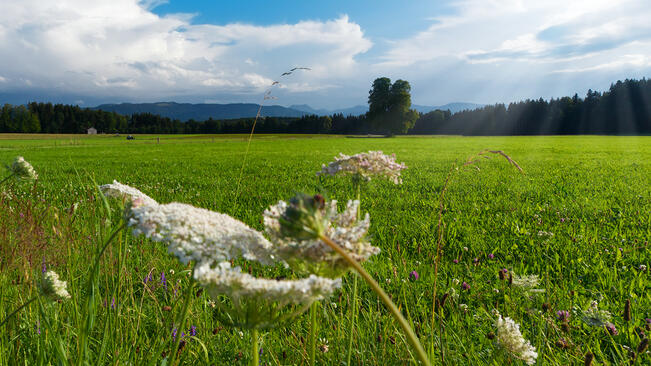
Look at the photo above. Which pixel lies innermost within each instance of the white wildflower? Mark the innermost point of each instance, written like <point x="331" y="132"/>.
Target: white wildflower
<point x="455" y="281"/>
<point x="324" y="347"/>
<point x="125" y="192"/>
<point x="642" y="267"/>
<point x="463" y="307"/>
<point x="365" y="165"/>
<point x="312" y="254"/>
<point x="211" y="240"/>
<point x="454" y="295"/>
<point x="526" y="282"/>
<point x="21" y="169"/>
<point x="509" y="337"/>
<point x="232" y="282"/>
<point x="52" y="287"/>
<point x="594" y="316"/>
<point x="200" y="235"/>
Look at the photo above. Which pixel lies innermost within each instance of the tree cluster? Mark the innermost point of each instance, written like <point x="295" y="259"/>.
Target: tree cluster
<point x="390" y="106"/>
<point x="58" y="118"/>
<point x="624" y="109"/>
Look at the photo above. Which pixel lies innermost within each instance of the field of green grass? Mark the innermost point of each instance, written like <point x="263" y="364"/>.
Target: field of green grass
<point x="579" y="218"/>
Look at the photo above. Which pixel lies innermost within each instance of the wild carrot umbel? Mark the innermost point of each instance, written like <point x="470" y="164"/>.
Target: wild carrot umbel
<point x="308" y="223"/>
<point x="362" y="167"/>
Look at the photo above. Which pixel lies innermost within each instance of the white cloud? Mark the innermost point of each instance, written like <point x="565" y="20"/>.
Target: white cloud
<point x="494" y="50"/>
<point x="119" y="47"/>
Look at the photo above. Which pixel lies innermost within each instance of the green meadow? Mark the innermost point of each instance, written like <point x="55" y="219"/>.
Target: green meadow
<point x="578" y="217"/>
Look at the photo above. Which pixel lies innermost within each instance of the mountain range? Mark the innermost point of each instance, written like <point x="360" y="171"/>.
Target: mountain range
<point x="201" y="112"/>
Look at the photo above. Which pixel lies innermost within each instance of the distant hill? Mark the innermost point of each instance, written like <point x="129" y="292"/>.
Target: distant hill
<point x="353" y="111"/>
<point x="200" y="112"/>
<point x="453" y="107"/>
<point x="362" y="109"/>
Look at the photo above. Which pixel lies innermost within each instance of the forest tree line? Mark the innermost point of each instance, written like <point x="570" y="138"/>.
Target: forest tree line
<point x="624" y="109"/>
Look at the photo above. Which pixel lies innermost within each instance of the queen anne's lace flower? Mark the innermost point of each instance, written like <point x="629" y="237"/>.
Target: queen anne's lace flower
<point x="365" y="166"/>
<point x="125" y="192"/>
<point x="200" y="235"/>
<point x="224" y="280"/>
<point x="526" y="282"/>
<point x="211" y="240"/>
<point x="594" y="316"/>
<point x="22" y="169"/>
<point x="509" y="337"/>
<point x="312" y="254"/>
<point x="52" y="287"/>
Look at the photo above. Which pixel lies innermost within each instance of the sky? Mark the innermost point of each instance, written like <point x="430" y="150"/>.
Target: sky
<point x="89" y="52"/>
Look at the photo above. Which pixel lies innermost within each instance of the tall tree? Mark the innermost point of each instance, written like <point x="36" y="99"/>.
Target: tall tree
<point x="390" y="106"/>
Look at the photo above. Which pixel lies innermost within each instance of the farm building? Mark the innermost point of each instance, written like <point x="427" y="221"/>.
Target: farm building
<point x="92" y="131"/>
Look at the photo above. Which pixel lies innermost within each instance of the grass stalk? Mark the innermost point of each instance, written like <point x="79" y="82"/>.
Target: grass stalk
<point x="181" y="324"/>
<point x="313" y="326"/>
<point x="17" y="310"/>
<point x="255" y="348"/>
<point x="411" y="336"/>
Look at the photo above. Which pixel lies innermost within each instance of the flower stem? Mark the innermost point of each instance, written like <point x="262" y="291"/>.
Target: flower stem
<point x="313" y="326"/>
<point x="355" y="309"/>
<point x="17" y="310"/>
<point x="353" y="315"/>
<point x="255" y="348"/>
<point x="184" y="312"/>
<point x="411" y="337"/>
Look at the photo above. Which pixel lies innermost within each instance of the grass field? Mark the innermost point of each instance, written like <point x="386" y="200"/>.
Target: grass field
<point x="579" y="218"/>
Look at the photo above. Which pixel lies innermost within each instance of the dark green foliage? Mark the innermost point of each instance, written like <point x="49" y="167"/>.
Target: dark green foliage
<point x="390" y="106"/>
<point x="624" y="109"/>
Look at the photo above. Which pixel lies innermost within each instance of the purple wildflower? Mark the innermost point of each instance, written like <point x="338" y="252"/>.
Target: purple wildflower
<point x="413" y="276"/>
<point x="174" y="334"/>
<point x="610" y="327"/>
<point x="113" y="303"/>
<point x="476" y="260"/>
<point x="44" y="267"/>
<point x="563" y="315"/>
<point x="193" y="330"/>
<point x="37" y="326"/>
<point x="455" y="261"/>
<point x="491" y="256"/>
<point x="163" y="280"/>
<point x="465" y="285"/>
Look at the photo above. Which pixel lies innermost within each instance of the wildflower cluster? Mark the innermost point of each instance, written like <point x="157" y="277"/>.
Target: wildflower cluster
<point x="199" y="235"/>
<point x="211" y="240"/>
<point x="526" y="282"/>
<point x="53" y="288"/>
<point x="594" y="316"/>
<point x="223" y="279"/>
<point x="21" y="169"/>
<point x="365" y="165"/>
<point x="294" y="229"/>
<point x="509" y="337"/>
<point x="125" y="192"/>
